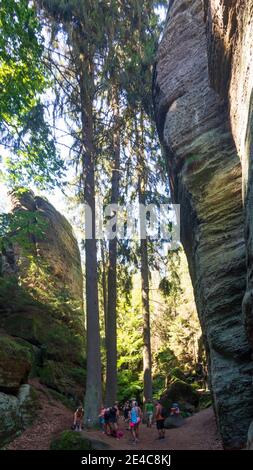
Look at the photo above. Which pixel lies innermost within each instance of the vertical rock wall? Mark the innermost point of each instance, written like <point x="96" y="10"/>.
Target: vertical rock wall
<point x="194" y="123"/>
<point x="230" y="42"/>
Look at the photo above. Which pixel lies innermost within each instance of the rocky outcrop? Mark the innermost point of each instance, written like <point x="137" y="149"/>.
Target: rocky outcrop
<point x="41" y="308"/>
<point x="15" y="364"/>
<point x="230" y="39"/>
<point x="202" y="78"/>
<point x="182" y="393"/>
<point x="17" y="412"/>
<point x="55" y="251"/>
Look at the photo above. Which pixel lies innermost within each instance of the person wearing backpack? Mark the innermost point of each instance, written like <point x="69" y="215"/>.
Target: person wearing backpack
<point x="160" y="416"/>
<point x="107" y="421"/>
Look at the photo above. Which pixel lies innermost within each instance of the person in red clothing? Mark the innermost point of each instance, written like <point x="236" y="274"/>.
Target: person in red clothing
<point x="159" y="416"/>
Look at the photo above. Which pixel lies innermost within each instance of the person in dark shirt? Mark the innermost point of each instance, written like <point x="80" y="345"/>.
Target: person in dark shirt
<point x="159" y="416"/>
<point x="126" y="411"/>
<point x="107" y="421"/>
<point x="113" y="420"/>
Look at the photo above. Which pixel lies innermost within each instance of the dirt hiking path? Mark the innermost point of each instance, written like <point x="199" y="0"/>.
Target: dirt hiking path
<point x="198" y="433"/>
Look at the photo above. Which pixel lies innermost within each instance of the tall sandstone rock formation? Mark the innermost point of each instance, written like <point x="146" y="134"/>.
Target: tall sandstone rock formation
<point x="203" y="103"/>
<point x="42" y="331"/>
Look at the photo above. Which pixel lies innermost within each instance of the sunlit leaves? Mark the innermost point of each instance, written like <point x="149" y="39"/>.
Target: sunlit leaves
<point x="23" y="78"/>
<point x="20" y="227"/>
<point x="21" y="69"/>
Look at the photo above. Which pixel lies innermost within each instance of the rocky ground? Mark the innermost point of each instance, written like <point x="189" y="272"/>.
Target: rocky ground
<point x="198" y="433"/>
<point x="53" y="417"/>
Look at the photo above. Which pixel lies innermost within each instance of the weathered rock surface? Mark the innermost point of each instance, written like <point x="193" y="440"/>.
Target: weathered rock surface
<point x="173" y="422"/>
<point x="56" y="249"/>
<point x="180" y="392"/>
<point x="15" y="364"/>
<point x="41" y="310"/>
<point x="202" y="78"/>
<point x="10" y="422"/>
<point x="250" y="437"/>
<point x="230" y="39"/>
<point x="16" y="412"/>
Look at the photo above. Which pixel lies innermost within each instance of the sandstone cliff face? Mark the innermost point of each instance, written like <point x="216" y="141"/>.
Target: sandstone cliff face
<point x="230" y="39"/>
<point x="41" y="313"/>
<point x="195" y="121"/>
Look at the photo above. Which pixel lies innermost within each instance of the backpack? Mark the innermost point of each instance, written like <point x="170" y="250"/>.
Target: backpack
<point x="164" y="413"/>
<point x="79" y="412"/>
<point x="113" y="412"/>
<point x="134" y="414"/>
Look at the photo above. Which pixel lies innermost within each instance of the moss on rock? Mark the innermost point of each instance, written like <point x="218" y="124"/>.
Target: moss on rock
<point x="15" y="363"/>
<point x="181" y="392"/>
<point x="70" y="440"/>
<point x="39" y="326"/>
<point x="64" y="378"/>
<point x="42" y="330"/>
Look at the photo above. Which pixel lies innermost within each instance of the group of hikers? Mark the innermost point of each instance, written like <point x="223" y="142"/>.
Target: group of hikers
<point x="133" y="416"/>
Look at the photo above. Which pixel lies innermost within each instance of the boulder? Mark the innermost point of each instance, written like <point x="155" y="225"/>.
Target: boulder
<point x="181" y="392"/>
<point x="188" y="408"/>
<point x="63" y="377"/>
<point x="41" y="313"/>
<point x="45" y="311"/>
<point x="173" y="422"/>
<point x="28" y="405"/>
<point x="10" y="420"/>
<point x="71" y="440"/>
<point x="203" y="106"/>
<point x="17" y="412"/>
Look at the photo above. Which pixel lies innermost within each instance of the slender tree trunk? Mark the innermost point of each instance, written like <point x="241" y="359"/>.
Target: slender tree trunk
<point x="93" y="393"/>
<point x="147" y="360"/>
<point x="111" y="324"/>
<point x="147" y="357"/>
<point x="104" y="281"/>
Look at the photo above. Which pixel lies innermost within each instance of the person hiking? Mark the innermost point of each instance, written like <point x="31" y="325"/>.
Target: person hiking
<point x="175" y="410"/>
<point x="116" y="405"/>
<point x="113" y="420"/>
<point x="149" y="413"/>
<point x="126" y="411"/>
<point x="78" y="418"/>
<point x="160" y="418"/>
<point x="101" y="417"/>
<point x="135" y="419"/>
<point x="107" y="421"/>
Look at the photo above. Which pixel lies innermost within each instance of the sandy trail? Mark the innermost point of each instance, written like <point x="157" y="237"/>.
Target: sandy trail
<point x="198" y="433"/>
